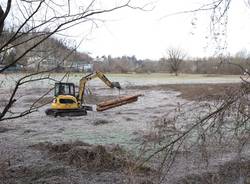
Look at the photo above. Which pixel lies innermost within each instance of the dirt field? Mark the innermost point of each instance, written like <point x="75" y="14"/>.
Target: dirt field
<point x="41" y="149"/>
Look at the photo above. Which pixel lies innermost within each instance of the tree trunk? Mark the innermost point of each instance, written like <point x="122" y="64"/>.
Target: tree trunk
<point x="1" y="23"/>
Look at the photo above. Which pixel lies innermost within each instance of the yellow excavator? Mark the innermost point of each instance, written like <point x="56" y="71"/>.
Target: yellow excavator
<point x="67" y="103"/>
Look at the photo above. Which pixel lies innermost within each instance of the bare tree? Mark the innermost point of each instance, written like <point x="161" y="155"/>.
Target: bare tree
<point x="1" y="15"/>
<point x="174" y="59"/>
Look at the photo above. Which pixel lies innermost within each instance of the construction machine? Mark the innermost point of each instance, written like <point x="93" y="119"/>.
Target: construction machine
<point x="67" y="103"/>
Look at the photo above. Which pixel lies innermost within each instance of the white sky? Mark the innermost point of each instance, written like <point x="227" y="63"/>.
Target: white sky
<point x="148" y="35"/>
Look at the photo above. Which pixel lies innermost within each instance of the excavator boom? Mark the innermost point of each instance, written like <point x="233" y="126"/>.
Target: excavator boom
<point x="91" y="76"/>
<point x="110" y="103"/>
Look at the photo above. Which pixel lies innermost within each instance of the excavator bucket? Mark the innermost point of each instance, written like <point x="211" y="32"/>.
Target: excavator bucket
<point x="116" y="102"/>
<point x="116" y="85"/>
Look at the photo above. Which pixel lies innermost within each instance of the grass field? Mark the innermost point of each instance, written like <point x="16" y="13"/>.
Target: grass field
<point x="8" y="80"/>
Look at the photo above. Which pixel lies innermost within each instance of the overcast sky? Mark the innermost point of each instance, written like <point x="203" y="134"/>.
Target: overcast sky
<point x="149" y="34"/>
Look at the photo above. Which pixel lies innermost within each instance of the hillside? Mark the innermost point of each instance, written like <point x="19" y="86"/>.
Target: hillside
<point x="50" y="53"/>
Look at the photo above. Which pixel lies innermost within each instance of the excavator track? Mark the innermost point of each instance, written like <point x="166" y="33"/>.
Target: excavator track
<point x="66" y="112"/>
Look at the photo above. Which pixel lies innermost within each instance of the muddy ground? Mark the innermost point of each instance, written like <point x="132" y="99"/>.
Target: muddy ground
<point x="101" y="147"/>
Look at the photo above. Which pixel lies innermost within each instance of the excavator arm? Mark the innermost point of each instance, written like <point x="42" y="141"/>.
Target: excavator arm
<point x="91" y="76"/>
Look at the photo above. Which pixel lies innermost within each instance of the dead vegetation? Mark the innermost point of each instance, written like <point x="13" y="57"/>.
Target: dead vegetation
<point x="90" y="157"/>
<point x="70" y="162"/>
<point x="101" y="122"/>
<point x="204" y="92"/>
<point x="226" y="173"/>
<point x="212" y="132"/>
<point x="33" y="174"/>
<point x="3" y="129"/>
<point x="196" y="92"/>
<point x="211" y="140"/>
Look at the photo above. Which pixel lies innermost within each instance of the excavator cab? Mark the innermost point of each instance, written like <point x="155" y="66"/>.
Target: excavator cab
<point x="65" y="102"/>
<point x="62" y="88"/>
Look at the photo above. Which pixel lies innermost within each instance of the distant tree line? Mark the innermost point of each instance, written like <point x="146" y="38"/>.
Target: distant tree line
<point x="54" y="51"/>
<point x="231" y="65"/>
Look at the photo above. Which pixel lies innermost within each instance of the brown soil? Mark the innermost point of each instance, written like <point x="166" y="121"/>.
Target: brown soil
<point x="224" y="174"/>
<point x="203" y="91"/>
<point x="194" y="91"/>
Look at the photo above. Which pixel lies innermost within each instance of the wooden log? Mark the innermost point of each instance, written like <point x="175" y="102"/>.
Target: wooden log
<point x="116" y="102"/>
<point x="115" y="105"/>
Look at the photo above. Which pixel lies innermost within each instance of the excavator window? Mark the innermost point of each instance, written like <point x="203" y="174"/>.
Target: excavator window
<point x="61" y="90"/>
<point x="67" y="101"/>
<point x="64" y="89"/>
